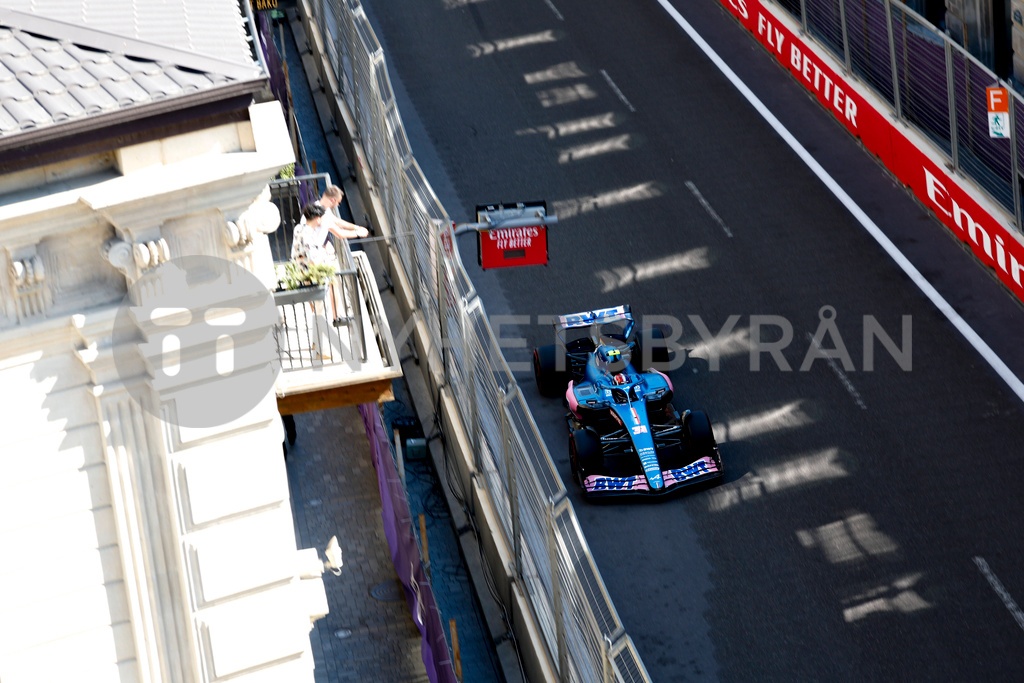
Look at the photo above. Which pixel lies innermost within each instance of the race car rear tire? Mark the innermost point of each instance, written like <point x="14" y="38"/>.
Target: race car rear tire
<point x="550" y="382"/>
<point x="698" y="431"/>
<point x="584" y="453"/>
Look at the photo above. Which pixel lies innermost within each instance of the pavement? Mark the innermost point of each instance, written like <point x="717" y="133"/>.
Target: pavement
<point x="369" y="634"/>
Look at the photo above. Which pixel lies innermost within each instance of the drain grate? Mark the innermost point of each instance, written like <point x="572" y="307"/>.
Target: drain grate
<point x="389" y="591"/>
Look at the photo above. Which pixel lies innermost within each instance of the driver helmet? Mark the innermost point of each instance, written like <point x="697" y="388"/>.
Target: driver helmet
<point x="608" y="357"/>
<point x="621" y="378"/>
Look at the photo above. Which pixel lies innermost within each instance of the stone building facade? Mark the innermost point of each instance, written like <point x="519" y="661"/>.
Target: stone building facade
<point x="136" y="545"/>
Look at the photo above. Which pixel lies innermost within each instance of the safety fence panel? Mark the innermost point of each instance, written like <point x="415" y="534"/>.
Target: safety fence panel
<point x="553" y="564"/>
<point x="429" y="220"/>
<point x="532" y="538"/>
<point x="407" y="197"/>
<point x="870" y="57"/>
<point x="922" y="79"/>
<point x="626" y="662"/>
<point x="534" y="451"/>
<point x="492" y="380"/>
<point x="933" y="84"/>
<point x="825" y="23"/>
<point x="986" y="160"/>
<point x="455" y="348"/>
<point x="334" y="19"/>
<point x="591" y="623"/>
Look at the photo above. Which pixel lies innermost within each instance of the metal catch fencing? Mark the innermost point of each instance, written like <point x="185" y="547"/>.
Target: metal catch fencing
<point x="583" y="635"/>
<point x="932" y="84"/>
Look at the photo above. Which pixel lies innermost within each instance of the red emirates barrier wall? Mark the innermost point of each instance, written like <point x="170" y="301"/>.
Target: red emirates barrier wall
<point x="992" y="243"/>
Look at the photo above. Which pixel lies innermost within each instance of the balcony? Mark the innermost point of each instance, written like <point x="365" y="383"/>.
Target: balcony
<point x="333" y="341"/>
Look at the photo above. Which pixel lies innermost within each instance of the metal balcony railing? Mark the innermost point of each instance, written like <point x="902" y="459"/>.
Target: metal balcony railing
<point x="319" y="325"/>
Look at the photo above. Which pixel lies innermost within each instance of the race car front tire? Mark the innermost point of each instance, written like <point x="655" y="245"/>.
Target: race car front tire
<point x="550" y="382"/>
<point x="584" y="453"/>
<point x="699" y="434"/>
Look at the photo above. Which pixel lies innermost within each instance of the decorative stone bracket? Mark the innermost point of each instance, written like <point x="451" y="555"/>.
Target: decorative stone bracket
<point x="135" y="259"/>
<point x="262" y="217"/>
<point x="28" y="282"/>
<point x="151" y="254"/>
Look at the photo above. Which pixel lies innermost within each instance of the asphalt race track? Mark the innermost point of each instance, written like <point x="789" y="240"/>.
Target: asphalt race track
<point x="869" y="525"/>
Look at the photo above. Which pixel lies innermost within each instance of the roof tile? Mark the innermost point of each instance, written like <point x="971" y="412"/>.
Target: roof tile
<point x="26" y="111"/>
<point x="55" y="58"/>
<point x="93" y="98"/>
<point x="76" y="75"/>
<point x="157" y="85"/>
<point x="215" y="28"/>
<point x="189" y="80"/>
<point x="36" y="43"/>
<point x="61" y="107"/>
<point x="126" y="91"/>
<point x="43" y="83"/>
<point x="23" y="63"/>
<point x="134" y="65"/>
<point x="105" y="70"/>
<point x="7" y="122"/>
<point x="14" y="90"/>
<point x="92" y="57"/>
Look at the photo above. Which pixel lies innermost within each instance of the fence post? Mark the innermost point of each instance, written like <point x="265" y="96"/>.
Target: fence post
<point x="606" y="665"/>
<point x="510" y="476"/>
<point x="846" y="38"/>
<point x="412" y="236"/>
<point x="442" y="300"/>
<point x="803" y="15"/>
<point x="1014" y="164"/>
<point x="556" y="596"/>
<point x="892" y="61"/>
<point x="954" y="136"/>
<point x="468" y="356"/>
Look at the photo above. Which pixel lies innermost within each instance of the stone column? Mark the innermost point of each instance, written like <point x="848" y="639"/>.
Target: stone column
<point x="144" y="515"/>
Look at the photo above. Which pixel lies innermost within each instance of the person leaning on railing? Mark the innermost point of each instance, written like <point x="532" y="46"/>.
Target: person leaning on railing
<point x="311" y="240"/>
<point x="311" y="244"/>
<point x="331" y="200"/>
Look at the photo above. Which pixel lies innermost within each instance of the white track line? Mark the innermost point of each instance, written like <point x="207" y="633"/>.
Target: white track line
<point x="1000" y="590"/>
<point x="618" y="92"/>
<point x="555" y="10"/>
<point x="707" y="207"/>
<point x="844" y="379"/>
<point x="997" y="364"/>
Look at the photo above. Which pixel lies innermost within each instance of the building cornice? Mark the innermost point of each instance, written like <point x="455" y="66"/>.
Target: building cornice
<point x="141" y="201"/>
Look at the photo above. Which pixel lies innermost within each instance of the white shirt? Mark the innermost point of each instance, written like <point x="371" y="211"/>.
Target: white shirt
<point x="313" y="244"/>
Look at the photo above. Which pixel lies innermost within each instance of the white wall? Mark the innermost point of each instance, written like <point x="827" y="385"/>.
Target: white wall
<point x="132" y="550"/>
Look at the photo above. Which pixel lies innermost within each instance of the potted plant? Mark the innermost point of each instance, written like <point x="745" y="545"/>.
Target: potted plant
<point x="299" y="281"/>
<point x="297" y="275"/>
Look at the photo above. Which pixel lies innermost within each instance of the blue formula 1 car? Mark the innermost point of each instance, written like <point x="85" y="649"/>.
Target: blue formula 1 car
<point x="625" y="437"/>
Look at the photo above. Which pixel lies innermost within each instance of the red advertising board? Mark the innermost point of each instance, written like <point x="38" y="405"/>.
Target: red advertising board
<point x="992" y="242"/>
<point x="508" y="247"/>
<point x="512" y="241"/>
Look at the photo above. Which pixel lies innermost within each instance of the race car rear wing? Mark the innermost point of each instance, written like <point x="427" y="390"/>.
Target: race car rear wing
<point x="597" y="317"/>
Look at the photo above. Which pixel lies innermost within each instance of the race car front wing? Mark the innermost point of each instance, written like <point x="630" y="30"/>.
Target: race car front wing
<point x="701" y="470"/>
